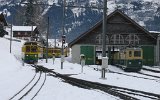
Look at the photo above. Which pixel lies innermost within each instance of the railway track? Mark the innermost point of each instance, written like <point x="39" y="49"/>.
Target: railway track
<point x="37" y="82"/>
<point x="149" y="75"/>
<point x="156" y="78"/>
<point x="135" y="75"/>
<point x="121" y="92"/>
<point x="151" y="70"/>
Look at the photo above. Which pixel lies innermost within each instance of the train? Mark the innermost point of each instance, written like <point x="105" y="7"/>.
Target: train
<point x="129" y="59"/>
<point x="32" y="51"/>
<point x="56" y="51"/>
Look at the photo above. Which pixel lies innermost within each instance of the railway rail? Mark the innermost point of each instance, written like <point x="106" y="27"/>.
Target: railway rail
<point x="134" y="75"/>
<point x="113" y="90"/>
<point x="121" y="92"/>
<point x="21" y="94"/>
<point x="156" y="78"/>
<point x="151" y="70"/>
<point x="149" y="75"/>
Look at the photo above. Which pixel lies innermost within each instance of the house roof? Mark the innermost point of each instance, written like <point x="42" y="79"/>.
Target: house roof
<point x="24" y="28"/>
<point x="108" y="17"/>
<point x="157" y="32"/>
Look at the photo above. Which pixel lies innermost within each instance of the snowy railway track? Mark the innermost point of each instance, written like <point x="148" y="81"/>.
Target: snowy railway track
<point x="32" y="88"/>
<point x="23" y="87"/>
<point x="91" y="85"/>
<point x="121" y="92"/>
<point x="149" y="75"/>
<point x="134" y="75"/>
<point x="151" y="70"/>
<point x="156" y="78"/>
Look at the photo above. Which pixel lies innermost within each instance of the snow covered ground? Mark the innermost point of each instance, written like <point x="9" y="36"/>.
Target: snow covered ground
<point x="14" y="76"/>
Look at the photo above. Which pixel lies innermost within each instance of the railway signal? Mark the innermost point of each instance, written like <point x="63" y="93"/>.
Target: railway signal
<point x="63" y="39"/>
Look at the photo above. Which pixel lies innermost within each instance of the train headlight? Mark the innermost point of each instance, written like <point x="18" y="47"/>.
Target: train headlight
<point x="130" y="63"/>
<point x="27" y="55"/>
<point x="139" y="62"/>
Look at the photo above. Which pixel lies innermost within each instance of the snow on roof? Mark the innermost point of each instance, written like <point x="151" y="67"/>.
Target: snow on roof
<point x="154" y="32"/>
<point x="23" y="28"/>
<point x="58" y="43"/>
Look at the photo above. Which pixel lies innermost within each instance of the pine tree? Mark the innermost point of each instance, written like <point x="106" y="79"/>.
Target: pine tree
<point x="29" y="13"/>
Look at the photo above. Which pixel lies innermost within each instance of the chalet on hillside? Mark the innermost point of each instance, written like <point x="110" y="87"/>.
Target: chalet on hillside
<point x="122" y="31"/>
<point x="25" y="32"/>
<point x="3" y="23"/>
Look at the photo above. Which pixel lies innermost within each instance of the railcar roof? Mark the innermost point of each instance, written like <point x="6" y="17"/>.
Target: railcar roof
<point x="30" y="43"/>
<point x="133" y="48"/>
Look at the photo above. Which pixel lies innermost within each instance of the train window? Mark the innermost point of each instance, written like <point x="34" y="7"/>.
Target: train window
<point x="130" y="53"/>
<point x="137" y="53"/>
<point x="27" y="48"/>
<point x="58" y="51"/>
<point x="34" y="49"/>
<point x="50" y="51"/>
<point x="55" y="51"/>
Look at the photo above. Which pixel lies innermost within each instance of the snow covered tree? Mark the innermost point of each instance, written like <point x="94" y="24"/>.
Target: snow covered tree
<point x="29" y="13"/>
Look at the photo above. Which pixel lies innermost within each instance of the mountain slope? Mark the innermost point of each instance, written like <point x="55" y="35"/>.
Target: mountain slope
<point x="78" y="20"/>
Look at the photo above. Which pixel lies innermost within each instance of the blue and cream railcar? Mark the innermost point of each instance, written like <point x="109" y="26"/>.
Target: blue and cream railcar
<point x="130" y="59"/>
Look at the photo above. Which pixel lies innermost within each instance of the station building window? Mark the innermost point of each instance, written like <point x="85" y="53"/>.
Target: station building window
<point x="132" y="39"/>
<point x="99" y="39"/>
<point x="117" y="39"/>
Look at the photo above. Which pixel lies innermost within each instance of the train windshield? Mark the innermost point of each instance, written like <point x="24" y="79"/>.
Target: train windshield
<point x="130" y="53"/>
<point x="34" y="49"/>
<point x="137" y="53"/>
<point x="27" y="48"/>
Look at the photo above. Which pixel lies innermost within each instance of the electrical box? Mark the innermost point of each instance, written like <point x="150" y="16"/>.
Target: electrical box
<point x="82" y="59"/>
<point x="104" y="62"/>
<point x="62" y="58"/>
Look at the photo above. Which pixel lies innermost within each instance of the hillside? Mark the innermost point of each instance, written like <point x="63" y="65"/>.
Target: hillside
<point x="78" y="20"/>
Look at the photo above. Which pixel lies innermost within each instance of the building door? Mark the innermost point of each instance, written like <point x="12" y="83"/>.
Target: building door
<point x="88" y="51"/>
<point x="148" y="55"/>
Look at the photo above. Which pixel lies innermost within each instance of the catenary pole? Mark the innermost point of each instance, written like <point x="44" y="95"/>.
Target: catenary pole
<point x="11" y="36"/>
<point x="63" y="22"/>
<point x="104" y="34"/>
<point x="47" y="42"/>
<point x="104" y="29"/>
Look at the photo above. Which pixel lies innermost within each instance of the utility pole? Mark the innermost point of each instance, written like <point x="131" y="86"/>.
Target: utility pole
<point x="11" y="36"/>
<point x="47" y="42"/>
<point x="63" y="22"/>
<point x="55" y="42"/>
<point x="32" y="32"/>
<point x="104" y="29"/>
<point x="104" y="35"/>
